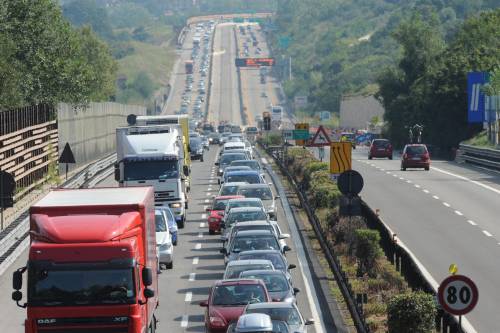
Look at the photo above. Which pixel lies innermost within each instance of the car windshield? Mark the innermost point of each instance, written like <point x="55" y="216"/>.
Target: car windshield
<point x="249" y="178"/>
<point x="242" y="294"/>
<point x="415" y="150"/>
<point x="254" y="242"/>
<point x="220" y="204"/>
<point x="229" y="189"/>
<point x="226" y="159"/>
<point x="150" y="170"/>
<point x="160" y="223"/>
<point x="289" y="315"/>
<point x="258" y="215"/>
<point x="195" y="143"/>
<point x="275" y="258"/>
<point x="244" y="203"/>
<point x="263" y="193"/>
<point x="50" y="287"/>
<point x="273" y="282"/>
<point x="233" y="272"/>
<point x="254" y="165"/>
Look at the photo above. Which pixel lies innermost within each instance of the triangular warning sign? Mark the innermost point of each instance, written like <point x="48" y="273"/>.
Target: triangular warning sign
<point x="320" y="138"/>
<point x="67" y="155"/>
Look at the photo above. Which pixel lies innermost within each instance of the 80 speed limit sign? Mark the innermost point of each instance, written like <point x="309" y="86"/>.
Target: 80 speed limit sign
<point x="458" y="295"/>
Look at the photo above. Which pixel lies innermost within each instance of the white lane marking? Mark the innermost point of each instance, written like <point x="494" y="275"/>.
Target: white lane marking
<point x="196" y="260"/>
<point x="207" y="200"/>
<point x="388" y="172"/>
<point x="435" y="197"/>
<point x="202" y="224"/>
<point x="417" y="186"/>
<point x="205" y="207"/>
<point x="459" y="213"/>
<point x="192" y="277"/>
<point x="401" y="178"/>
<point x="471" y="222"/>
<point x="468" y="180"/>
<point x="426" y="191"/>
<point x="209" y="194"/>
<point x="200" y="235"/>
<point x="409" y="181"/>
<point x="197" y="246"/>
<point x="394" y="175"/>
<point x="203" y="216"/>
<point x="382" y="169"/>
<point x="446" y="204"/>
<point x="487" y="233"/>
<point x="263" y="159"/>
<point x="184" y="321"/>
<point x="188" y="297"/>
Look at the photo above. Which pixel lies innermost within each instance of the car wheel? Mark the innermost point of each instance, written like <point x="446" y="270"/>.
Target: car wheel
<point x="180" y="224"/>
<point x="174" y="243"/>
<point x="390" y="157"/>
<point x="369" y="157"/>
<point x="169" y="265"/>
<point x="427" y="168"/>
<point x="211" y="232"/>
<point x="186" y="205"/>
<point x="201" y="158"/>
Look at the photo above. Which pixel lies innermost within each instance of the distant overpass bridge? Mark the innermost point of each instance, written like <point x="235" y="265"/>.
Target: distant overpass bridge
<point x="197" y="19"/>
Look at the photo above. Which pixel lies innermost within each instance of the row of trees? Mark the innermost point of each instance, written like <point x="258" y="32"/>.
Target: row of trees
<point x="429" y="84"/>
<point x="43" y="59"/>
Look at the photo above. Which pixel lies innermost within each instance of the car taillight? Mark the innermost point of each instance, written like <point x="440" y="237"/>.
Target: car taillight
<point x="217" y="321"/>
<point x="425" y="156"/>
<point x="405" y="156"/>
<point x="389" y="147"/>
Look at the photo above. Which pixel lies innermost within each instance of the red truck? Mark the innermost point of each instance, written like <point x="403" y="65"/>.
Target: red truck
<point x="92" y="264"/>
<point x="188" y="65"/>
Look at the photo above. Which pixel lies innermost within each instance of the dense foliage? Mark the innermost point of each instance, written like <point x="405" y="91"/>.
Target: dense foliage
<point x="44" y="60"/>
<point x="338" y="47"/>
<point x="412" y="312"/>
<point x="429" y="84"/>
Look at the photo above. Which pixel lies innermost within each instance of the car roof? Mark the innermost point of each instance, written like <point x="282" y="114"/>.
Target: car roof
<point x="229" y="197"/>
<point x="257" y="223"/>
<point x="254" y="233"/>
<point x="249" y="262"/>
<point x="234" y="183"/>
<point x="241" y="167"/>
<point x="233" y="143"/>
<point x="233" y="152"/>
<point x="242" y="198"/>
<point x="265" y="305"/>
<point x="416" y="145"/>
<point x="246" y="209"/>
<point x="256" y="185"/>
<point x="263" y="271"/>
<point x="237" y="282"/>
<point x="254" y="322"/>
<point x="243" y="172"/>
<point x="249" y="252"/>
<point x="245" y="161"/>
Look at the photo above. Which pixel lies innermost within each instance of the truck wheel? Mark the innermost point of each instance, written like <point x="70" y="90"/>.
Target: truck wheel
<point x="180" y="224"/>
<point x="201" y="158"/>
<point x="186" y="205"/>
<point x="169" y="265"/>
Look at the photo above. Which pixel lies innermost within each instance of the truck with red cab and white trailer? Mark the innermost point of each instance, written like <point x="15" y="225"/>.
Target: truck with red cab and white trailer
<point x="92" y="264"/>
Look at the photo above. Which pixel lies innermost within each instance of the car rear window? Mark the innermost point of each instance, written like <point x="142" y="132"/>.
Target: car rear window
<point x="251" y="179"/>
<point x="416" y="150"/>
<point x="381" y="143"/>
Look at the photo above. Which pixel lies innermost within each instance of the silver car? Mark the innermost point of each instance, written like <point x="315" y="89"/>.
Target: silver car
<point x="164" y="246"/>
<point x="264" y="193"/>
<point x="235" y="268"/>
<point x="284" y="311"/>
<point x="277" y="283"/>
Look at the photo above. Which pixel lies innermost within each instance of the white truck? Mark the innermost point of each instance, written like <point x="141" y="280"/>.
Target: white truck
<point x="154" y="155"/>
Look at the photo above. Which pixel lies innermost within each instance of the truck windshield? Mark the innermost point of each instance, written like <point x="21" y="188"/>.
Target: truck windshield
<point x="81" y="287"/>
<point x="150" y="170"/>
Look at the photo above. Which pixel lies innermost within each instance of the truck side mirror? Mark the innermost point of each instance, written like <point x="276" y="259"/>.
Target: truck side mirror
<point x="17" y="296"/>
<point x="148" y="293"/>
<point x="147" y="276"/>
<point x="17" y="280"/>
<point x="117" y="172"/>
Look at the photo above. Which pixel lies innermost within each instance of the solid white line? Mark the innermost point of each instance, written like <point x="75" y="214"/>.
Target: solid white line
<point x="446" y="204"/>
<point x="210" y="188"/>
<point x="184" y="321"/>
<point x="192" y="277"/>
<point x="197" y="246"/>
<point x="196" y="260"/>
<point x="468" y="180"/>
<point x="426" y="191"/>
<point x="203" y="216"/>
<point x="435" y="197"/>
<point x="471" y="222"/>
<point x="487" y="233"/>
<point x="459" y="213"/>
<point x="200" y="234"/>
<point x="188" y="297"/>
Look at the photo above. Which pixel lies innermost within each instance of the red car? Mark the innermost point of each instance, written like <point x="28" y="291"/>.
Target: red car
<point x="217" y="212"/>
<point x="415" y="156"/>
<point x="380" y="148"/>
<point x="227" y="300"/>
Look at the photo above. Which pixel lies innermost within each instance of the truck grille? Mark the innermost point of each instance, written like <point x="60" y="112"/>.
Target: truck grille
<point x="86" y="330"/>
<point x="161" y="196"/>
<point x="86" y="325"/>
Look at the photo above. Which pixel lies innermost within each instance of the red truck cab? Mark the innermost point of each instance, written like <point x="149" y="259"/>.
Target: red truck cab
<point x="92" y="264"/>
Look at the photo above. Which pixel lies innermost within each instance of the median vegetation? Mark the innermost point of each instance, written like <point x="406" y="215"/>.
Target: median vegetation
<point x="358" y="249"/>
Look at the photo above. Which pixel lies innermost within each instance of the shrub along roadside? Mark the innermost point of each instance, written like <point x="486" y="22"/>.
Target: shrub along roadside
<point x="356" y="246"/>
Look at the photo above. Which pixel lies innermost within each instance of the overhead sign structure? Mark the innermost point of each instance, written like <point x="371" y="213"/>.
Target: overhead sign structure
<point x="301" y="134"/>
<point x="302" y="126"/>
<point x="458" y="295"/>
<point x="320" y="138"/>
<point x="476" y="96"/>
<point x="254" y="62"/>
<point x="340" y="157"/>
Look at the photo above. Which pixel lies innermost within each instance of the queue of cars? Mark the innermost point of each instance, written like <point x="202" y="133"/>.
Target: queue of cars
<point x="413" y="156"/>
<point x="257" y="288"/>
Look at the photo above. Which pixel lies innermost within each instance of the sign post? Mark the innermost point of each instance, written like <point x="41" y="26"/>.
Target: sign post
<point x="340" y="157"/>
<point x="305" y="127"/>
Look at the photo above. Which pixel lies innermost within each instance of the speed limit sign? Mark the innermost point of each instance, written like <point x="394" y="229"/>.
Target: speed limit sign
<point x="458" y="295"/>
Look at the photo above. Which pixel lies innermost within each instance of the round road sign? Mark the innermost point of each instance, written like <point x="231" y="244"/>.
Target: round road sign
<point x="458" y="295"/>
<point x="350" y="182"/>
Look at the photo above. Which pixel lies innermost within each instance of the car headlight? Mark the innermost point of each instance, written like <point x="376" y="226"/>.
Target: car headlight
<point x="221" y="171"/>
<point x="175" y="205"/>
<point x="217" y="321"/>
<point x="200" y="151"/>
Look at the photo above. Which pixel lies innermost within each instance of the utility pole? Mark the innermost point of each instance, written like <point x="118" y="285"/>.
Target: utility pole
<point x="290" y="68"/>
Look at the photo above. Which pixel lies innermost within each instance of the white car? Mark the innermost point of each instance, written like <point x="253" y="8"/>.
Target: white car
<point x="264" y="193"/>
<point x="164" y="246"/>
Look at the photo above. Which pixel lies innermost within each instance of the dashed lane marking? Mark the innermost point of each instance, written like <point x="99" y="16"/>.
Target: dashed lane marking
<point x="417" y="186"/>
<point x="209" y="194"/>
<point x="435" y="197"/>
<point x="188" y="297"/>
<point x="207" y="200"/>
<point x="200" y="234"/>
<point x="205" y="207"/>
<point x="425" y="191"/>
<point x="203" y="216"/>
<point x="196" y="260"/>
<point x="192" y="277"/>
<point x="202" y="224"/>
<point x="446" y="204"/>
<point x="471" y="222"/>
<point x="197" y="246"/>
<point x="459" y="213"/>
<point x="184" y="321"/>
<point x="487" y="233"/>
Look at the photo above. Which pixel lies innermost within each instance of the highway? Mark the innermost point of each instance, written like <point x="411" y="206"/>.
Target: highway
<point x="197" y="261"/>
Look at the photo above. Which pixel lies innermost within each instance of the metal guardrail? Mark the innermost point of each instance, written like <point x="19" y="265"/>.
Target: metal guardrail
<point x="14" y="237"/>
<point x="484" y="157"/>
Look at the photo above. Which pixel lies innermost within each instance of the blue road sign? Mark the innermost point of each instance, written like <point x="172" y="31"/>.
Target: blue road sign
<point x="475" y="96"/>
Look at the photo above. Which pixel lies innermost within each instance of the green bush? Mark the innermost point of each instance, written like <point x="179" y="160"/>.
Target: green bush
<point x="412" y="312"/>
<point x="368" y="249"/>
<point x="344" y="231"/>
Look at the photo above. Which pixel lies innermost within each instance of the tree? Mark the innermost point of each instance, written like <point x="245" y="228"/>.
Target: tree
<point x="368" y="250"/>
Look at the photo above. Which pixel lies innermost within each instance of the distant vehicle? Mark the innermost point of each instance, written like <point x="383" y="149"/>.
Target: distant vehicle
<point x="227" y="158"/>
<point x="380" y="148"/>
<point x="196" y="147"/>
<point x="348" y="137"/>
<point x="227" y="301"/>
<point x="205" y="142"/>
<point x="188" y="65"/>
<point x="164" y="245"/>
<point x="235" y="129"/>
<point x="208" y="127"/>
<point x="415" y="156"/>
<point x="214" y="138"/>
<point x="282" y="311"/>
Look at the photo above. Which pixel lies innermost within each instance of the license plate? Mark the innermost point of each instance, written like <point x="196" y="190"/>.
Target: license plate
<point x="415" y="158"/>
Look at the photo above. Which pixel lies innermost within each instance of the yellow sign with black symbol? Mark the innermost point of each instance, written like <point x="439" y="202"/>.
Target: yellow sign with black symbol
<point x="301" y="126"/>
<point x="340" y="157"/>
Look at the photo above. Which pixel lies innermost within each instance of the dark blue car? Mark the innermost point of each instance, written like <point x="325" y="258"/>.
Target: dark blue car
<point x="247" y="176"/>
